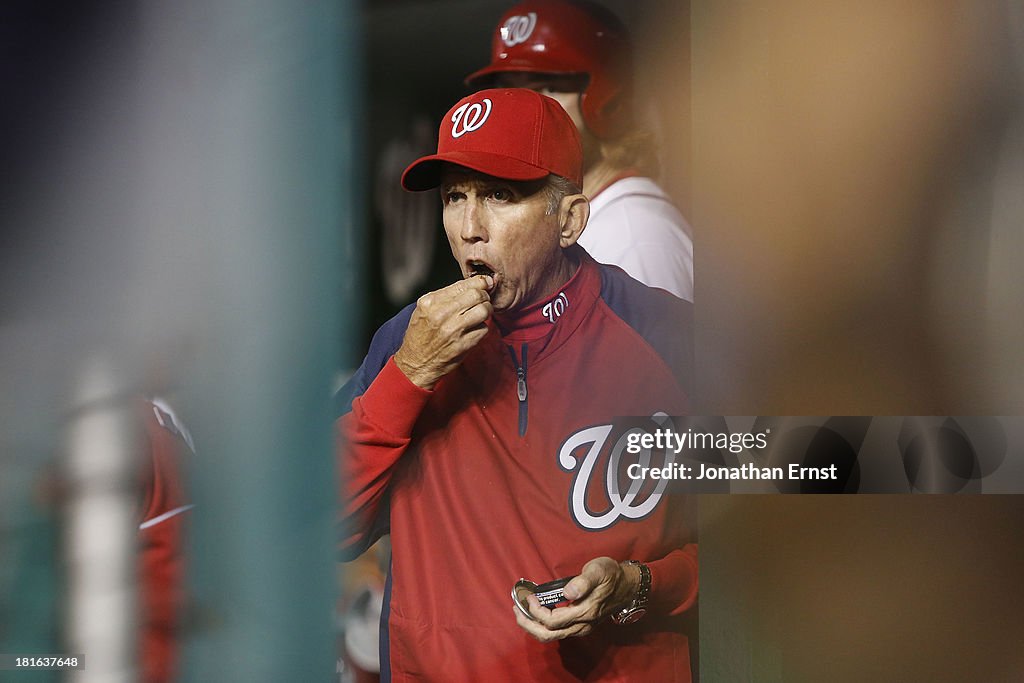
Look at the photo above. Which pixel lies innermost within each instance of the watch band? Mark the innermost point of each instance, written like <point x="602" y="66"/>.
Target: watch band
<point x="635" y="610"/>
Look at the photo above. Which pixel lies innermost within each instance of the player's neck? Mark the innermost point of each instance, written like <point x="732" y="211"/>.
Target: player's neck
<point x="599" y="176"/>
<point x="535" y="321"/>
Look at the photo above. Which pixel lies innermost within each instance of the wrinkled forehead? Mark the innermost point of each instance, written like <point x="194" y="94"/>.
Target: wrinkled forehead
<point x="460" y="177"/>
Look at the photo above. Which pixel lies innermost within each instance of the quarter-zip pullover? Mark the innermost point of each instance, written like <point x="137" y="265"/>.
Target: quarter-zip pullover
<point x="501" y="472"/>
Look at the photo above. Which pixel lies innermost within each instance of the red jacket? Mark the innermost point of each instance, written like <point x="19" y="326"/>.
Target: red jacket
<point x="486" y="479"/>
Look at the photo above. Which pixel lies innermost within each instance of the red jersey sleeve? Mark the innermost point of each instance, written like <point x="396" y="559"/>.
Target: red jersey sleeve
<point x="370" y="440"/>
<point x="674" y="581"/>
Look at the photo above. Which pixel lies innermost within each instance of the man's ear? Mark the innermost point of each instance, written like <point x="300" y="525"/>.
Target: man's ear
<point x="573" y="213"/>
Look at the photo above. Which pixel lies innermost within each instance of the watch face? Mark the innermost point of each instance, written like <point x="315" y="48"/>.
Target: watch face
<point x="633" y="616"/>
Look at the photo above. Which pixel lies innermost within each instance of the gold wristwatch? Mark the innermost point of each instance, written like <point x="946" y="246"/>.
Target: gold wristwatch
<point x="635" y="610"/>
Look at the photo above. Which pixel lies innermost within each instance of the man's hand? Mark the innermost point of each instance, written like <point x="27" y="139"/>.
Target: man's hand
<point x="445" y="325"/>
<point x="603" y="587"/>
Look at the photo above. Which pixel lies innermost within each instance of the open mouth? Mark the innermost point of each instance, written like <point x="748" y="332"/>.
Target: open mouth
<point x="479" y="268"/>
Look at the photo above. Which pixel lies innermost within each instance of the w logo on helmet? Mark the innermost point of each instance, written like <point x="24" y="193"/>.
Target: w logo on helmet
<point x="470" y="116"/>
<point x="518" y="29"/>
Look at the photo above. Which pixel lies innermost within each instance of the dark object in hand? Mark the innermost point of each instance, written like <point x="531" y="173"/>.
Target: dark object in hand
<point x="549" y="594"/>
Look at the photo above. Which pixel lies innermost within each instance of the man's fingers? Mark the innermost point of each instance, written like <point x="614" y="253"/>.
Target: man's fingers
<point x="470" y="299"/>
<point x="577" y="588"/>
<point x="546" y="635"/>
<point x="539" y="612"/>
<point x="473" y="292"/>
<point x="484" y="282"/>
<point x="477" y="314"/>
<point x="565" y="617"/>
<point x="456" y="327"/>
<point x="455" y="299"/>
<point x="561" y="617"/>
<point x="532" y="627"/>
<point x="471" y="338"/>
<point x="481" y="282"/>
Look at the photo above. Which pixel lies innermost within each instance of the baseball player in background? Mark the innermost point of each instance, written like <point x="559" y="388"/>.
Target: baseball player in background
<point x="162" y="540"/>
<point x="481" y="432"/>
<point x="580" y="54"/>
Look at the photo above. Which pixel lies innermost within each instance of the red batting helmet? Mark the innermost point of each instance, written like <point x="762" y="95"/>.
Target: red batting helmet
<point x="567" y="37"/>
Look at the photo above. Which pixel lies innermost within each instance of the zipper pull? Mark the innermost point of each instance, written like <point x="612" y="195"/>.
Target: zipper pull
<point x="520" y="387"/>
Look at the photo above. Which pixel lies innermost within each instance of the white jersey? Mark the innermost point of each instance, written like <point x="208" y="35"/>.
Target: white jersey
<point x="634" y="225"/>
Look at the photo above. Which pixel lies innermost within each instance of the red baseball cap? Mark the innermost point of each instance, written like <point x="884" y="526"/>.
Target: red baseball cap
<point x="509" y="133"/>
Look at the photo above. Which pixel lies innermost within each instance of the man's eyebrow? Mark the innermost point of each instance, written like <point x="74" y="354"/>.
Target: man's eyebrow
<point x="467" y="183"/>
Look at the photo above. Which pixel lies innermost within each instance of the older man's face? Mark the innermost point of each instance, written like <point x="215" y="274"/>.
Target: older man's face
<point x="502" y="228"/>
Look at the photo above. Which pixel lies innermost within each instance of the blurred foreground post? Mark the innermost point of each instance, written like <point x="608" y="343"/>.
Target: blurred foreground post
<point x="100" y="528"/>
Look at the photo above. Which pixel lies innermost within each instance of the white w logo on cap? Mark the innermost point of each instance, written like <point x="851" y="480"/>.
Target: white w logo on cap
<point x="517" y="29"/>
<point x="469" y="117"/>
